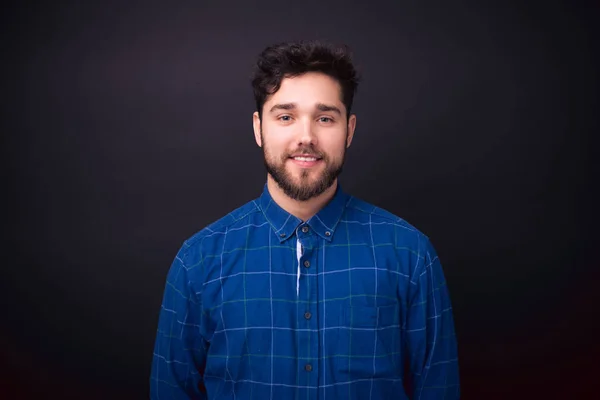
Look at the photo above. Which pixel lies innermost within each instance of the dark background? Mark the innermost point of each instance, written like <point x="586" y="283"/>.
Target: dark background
<point x="126" y="128"/>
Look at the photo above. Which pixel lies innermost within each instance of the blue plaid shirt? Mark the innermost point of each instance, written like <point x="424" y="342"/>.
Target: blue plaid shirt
<point x="350" y="304"/>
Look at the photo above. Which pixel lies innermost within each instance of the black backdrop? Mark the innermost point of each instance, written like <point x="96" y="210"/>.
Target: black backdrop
<point x="126" y="128"/>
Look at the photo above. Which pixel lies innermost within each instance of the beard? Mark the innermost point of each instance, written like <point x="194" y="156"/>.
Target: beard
<point x="306" y="188"/>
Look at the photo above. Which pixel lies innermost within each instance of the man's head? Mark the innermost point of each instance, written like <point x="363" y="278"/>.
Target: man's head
<point x="304" y="93"/>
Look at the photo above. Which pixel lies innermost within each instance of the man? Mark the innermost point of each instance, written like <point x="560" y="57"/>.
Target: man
<point x="305" y="292"/>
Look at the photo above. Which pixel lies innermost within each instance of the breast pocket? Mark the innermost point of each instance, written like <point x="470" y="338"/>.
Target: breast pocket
<point x="369" y="335"/>
<point x="371" y="316"/>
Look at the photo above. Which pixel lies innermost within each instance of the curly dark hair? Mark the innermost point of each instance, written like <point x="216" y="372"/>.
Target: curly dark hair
<point x="290" y="59"/>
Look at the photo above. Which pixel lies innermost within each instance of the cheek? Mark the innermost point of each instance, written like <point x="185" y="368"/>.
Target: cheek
<point x="335" y="148"/>
<point x="274" y="148"/>
<point x="274" y="133"/>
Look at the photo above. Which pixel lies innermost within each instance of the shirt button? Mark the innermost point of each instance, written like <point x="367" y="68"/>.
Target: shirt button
<point x="307" y="315"/>
<point x="327" y="233"/>
<point x="307" y="263"/>
<point x="305" y="229"/>
<point x="308" y="367"/>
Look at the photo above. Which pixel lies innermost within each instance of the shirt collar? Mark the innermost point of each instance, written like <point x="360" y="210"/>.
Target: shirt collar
<point x="324" y="223"/>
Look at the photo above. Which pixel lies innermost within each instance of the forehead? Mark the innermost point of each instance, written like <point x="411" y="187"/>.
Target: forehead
<point x="308" y="89"/>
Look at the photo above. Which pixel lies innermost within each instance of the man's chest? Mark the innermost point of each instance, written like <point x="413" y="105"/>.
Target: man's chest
<point x="311" y="273"/>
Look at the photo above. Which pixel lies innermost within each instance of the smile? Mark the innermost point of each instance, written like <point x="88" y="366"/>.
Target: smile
<point x="305" y="158"/>
<point x="305" y="161"/>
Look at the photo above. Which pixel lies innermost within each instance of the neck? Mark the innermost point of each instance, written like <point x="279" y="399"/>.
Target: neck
<point x="300" y="209"/>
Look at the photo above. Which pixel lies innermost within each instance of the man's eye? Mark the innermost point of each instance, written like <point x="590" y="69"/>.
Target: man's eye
<point x="285" y="118"/>
<point x="325" y="119"/>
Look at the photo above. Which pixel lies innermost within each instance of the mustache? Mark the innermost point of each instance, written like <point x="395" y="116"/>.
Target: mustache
<point x="307" y="151"/>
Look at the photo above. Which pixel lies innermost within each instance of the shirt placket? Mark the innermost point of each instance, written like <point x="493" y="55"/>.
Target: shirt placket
<point x="308" y="365"/>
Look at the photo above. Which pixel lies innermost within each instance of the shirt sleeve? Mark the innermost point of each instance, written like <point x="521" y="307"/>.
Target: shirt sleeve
<point x="179" y="349"/>
<point x="430" y="335"/>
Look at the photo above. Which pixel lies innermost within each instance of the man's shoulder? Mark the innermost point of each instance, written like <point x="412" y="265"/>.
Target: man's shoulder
<point x="361" y="209"/>
<point x="216" y="230"/>
<point x="387" y="226"/>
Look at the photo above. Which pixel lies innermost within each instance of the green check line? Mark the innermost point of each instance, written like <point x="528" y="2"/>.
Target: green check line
<point x="169" y="336"/>
<point x="201" y="351"/>
<point x="292" y="250"/>
<point x="369" y="356"/>
<point x="294" y="301"/>
<point x="267" y="299"/>
<point x="350" y="290"/>
<point x="188" y="298"/>
<point x="347" y="245"/>
<point x="438" y="288"/>
<point x="409" y="250"/>
<point x="429" y="294"/>
<point x="360" y="295"/>
<point x="245" y="299"/>
<point x="173" y="319"/>
<point x="418" y="304"/>
<point x="201" y="262"/>
<point x="166" y="382"/>
<point x="245" y="249"/>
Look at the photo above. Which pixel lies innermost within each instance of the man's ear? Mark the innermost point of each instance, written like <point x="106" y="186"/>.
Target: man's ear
<point x="351" y="128"/>
<point x="256" y="126"/>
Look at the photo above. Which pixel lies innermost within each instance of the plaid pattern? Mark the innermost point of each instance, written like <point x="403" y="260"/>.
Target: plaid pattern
<point x="372" y="301"/>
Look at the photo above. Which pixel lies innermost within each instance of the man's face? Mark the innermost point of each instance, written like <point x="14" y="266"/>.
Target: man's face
<point x="304" y="134"/>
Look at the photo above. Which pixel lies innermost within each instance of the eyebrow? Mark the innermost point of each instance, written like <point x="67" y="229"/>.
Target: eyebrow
<point x="326" y="107"/>
<point x="283" y="106"/>
<point x="293" y="106"/>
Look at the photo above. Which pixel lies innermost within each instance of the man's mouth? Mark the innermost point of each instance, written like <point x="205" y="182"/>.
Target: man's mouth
<point x="305" y="156"/>
<point x="305" y="160"/>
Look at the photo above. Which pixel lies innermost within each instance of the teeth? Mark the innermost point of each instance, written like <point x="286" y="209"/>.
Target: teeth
<point x="305" y="158"/>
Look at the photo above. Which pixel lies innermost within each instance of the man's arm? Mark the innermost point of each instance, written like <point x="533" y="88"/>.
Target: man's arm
<point x="431" y="340"/>
<point x="179" y="349"/>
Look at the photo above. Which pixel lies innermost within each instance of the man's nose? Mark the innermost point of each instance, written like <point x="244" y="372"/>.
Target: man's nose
<point x="307" y="134"/>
